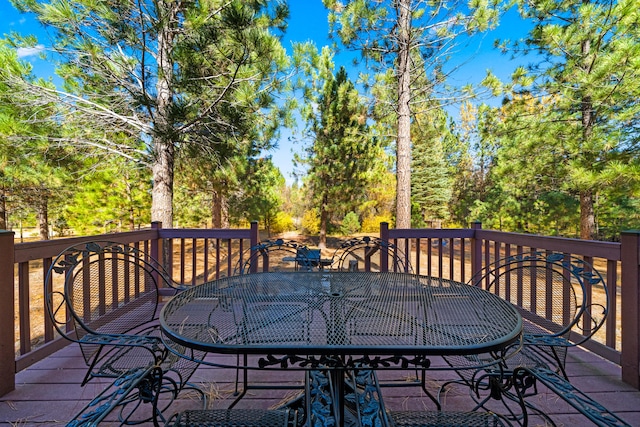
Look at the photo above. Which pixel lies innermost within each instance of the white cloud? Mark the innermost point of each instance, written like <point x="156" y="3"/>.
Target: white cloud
<point x="30" y="51"/>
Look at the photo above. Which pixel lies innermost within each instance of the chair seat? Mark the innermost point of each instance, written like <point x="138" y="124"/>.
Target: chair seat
<point x="233" y="417"/>
<point x="444" y="419"/>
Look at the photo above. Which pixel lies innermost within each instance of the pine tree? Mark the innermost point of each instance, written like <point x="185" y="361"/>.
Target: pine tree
<point x="344" y="153"/>
<point x="589" y="73"/>
<point x="401" y="41"/>
<point x="168" y="74"/>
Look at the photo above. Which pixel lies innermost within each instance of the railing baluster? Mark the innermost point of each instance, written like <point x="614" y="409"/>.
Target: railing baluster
<point x="451" y="259"/>
<point x="194" y="264"/>
<point x="612" y="288"/>
<point x="24" y="307"/>
<point x="418" y="252"/>
<point x="429" y="259"/>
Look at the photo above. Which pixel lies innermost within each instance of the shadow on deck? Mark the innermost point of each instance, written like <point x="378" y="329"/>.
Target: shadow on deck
<point x="49" y="392"/>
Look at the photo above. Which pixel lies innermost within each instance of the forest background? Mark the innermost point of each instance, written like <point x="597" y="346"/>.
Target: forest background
<point x="171" y="110"/>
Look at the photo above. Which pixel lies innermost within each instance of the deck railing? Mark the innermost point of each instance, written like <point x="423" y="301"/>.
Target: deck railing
<point x="190" y="255"/>
<point x="459" y="254"/>
<point x="198" y="255"/>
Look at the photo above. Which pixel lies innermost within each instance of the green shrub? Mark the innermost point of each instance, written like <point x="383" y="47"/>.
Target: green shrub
<point x="350" y="224"/>
<point x="311" y="222"/>
<point x="61" y="227"/>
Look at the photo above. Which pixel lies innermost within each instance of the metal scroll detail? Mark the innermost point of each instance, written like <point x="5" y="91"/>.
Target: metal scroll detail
<point x="313" y="362"/>
<point x="366" y="398"/>
<point x="321" y="406"/>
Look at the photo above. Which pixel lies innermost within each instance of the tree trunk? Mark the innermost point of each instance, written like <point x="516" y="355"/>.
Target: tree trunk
<point x="224" y="212"/>
<point x="216" y="209"/>
<point x="43" y="219"/>
<point x="219" y="210"/>
<point x="587" y="213"/>
<point x="132" y="212"/>
<point x="3" y="209"/>
<point x="403" y="143"/>
<point x="324" y="219"/>
<point x="162" y="196"/>
<point x="587" y="216"/>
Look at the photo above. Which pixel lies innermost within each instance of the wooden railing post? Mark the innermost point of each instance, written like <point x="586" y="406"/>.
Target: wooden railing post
<point x="155" y="243"/>
<point x="630" y="307"/>
<point x="254" y="239"/>
<point x="7" y="312"/>
<point x="161" y="252"/>
<point x="384" y="251"/>
<point x="155" y="252"/>
<point x="476" y="250"/>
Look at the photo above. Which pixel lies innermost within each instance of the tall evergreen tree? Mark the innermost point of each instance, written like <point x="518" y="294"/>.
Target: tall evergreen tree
<point x="166" y="73"/>
<point x="110" y="195"/>
<point x="431" y="185"/>
<point x="343" y="152"/>
<point x="260" y="196"/>
<point x="33" y="173"/>
<point x="403" y="39"/>
<point x="589" y="72"/>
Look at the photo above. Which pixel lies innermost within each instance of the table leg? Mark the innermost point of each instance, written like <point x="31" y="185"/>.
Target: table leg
<point x="337" y="379"/>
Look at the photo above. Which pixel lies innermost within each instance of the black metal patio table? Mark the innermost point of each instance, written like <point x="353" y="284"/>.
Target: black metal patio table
<point x="339" y="320"/>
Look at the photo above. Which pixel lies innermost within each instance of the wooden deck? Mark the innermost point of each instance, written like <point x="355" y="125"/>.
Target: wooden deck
<point x="49" y="392"/>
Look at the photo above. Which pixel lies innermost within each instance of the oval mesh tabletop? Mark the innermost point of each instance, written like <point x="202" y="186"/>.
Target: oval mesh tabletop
<point x="340" y="313"/>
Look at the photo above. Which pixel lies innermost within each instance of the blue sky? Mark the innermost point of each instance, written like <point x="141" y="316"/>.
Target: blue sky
<point x="308" y="21"/>
<point x="14" y="21"/>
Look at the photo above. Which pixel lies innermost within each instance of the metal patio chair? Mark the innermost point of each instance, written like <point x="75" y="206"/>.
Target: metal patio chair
<point x="279" y="255"/>
<point x="563" y="301"/>
<point x="367" y="254"/>
<point x="108" y="305"/>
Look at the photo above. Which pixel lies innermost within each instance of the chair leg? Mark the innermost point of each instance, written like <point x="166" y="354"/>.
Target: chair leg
<point x="235" y="392"/>
<point x="124" y="393"/>
<point x="148" y="392"/>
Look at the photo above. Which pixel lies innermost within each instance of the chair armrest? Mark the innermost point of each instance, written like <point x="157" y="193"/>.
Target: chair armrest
<point x="121" y="339"/>
<point x="584" y="404"/>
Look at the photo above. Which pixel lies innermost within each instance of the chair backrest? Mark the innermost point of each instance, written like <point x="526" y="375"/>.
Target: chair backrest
<point x="278" y="255"/>
<point x="308" y="258"/>
<point x="367" y="254"/>
<point x="555" y="293"/>
<point x="108" y="288"/>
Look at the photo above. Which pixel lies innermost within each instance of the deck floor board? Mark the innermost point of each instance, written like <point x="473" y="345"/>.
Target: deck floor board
<point x="49" y="393"/>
